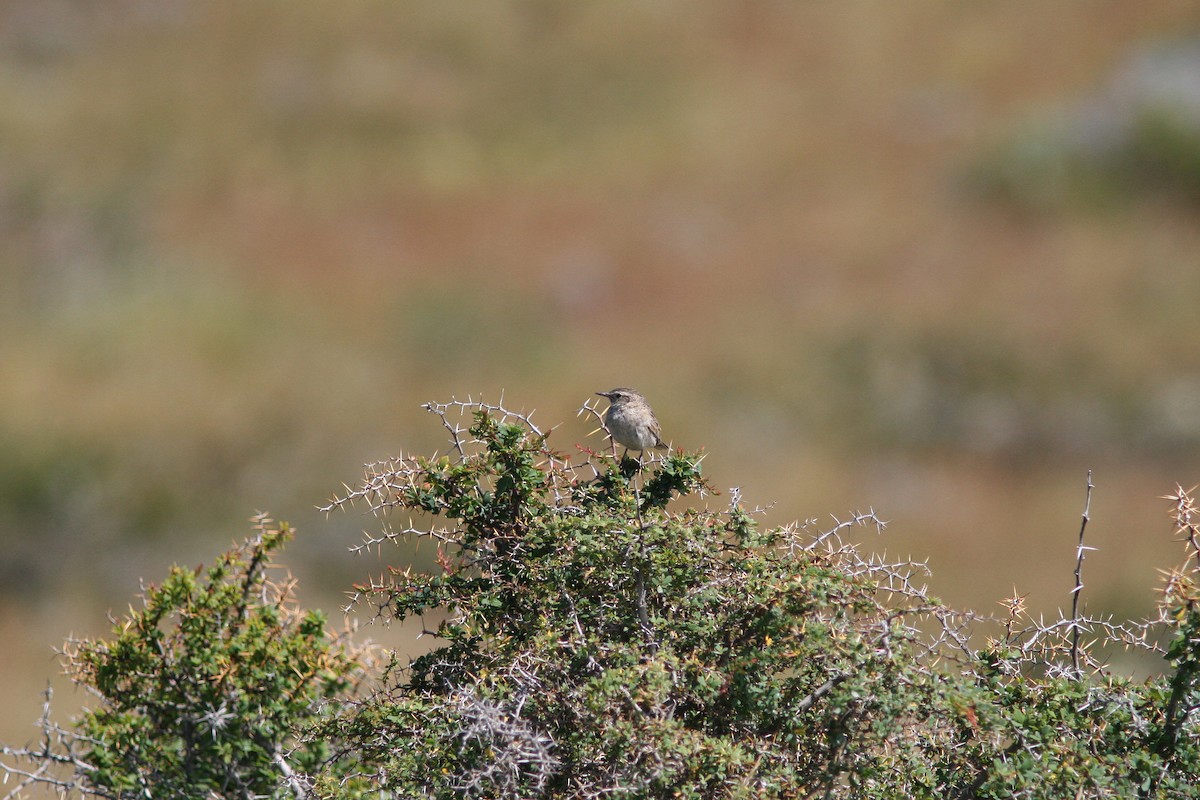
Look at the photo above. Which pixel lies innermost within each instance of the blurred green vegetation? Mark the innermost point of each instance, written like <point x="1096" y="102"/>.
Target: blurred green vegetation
<point x="1135" y="139"/>
<point x="240" y="245"/>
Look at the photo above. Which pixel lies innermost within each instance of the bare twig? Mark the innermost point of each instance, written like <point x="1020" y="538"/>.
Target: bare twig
<point x="816" y="694"/>
<point x="1080" y="550"/>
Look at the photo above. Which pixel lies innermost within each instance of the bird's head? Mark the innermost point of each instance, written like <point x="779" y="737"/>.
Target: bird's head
<point x="619" y="395"/>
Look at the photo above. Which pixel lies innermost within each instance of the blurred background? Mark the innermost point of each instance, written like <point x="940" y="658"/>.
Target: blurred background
<point x="938" y="260"/>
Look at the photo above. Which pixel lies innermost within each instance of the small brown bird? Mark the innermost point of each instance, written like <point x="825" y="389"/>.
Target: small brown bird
<point x="630" y="421"/>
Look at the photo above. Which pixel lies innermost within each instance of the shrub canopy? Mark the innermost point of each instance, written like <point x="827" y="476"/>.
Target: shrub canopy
<point x="609" y="629"/>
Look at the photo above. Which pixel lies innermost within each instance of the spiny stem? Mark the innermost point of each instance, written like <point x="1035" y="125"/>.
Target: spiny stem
<point x="1087" y="507"/>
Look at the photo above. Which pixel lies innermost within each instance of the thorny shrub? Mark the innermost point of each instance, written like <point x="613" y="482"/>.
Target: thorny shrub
<point x="200" y="692"/>
<point x="606" y="629"/>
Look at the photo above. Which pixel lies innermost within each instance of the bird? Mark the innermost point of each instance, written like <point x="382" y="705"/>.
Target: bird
<point x="630" y="421"/>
